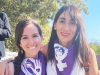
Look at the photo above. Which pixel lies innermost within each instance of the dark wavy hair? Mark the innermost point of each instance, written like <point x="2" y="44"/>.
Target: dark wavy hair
<point x="81" y="44"/>
<point x="18" y="34"/>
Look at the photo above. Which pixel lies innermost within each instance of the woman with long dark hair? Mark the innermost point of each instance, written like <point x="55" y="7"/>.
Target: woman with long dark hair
<point x="28" y="38"/>
<point x="68" y="50"/>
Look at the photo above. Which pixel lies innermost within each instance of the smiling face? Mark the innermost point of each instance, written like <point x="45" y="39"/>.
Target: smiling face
<point x="65" y="28"/>
<point x="31" y="41"/>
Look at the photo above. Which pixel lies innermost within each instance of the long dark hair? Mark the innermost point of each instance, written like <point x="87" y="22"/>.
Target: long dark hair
<point x="18" y="34"/>
<point x="81" y="44"/>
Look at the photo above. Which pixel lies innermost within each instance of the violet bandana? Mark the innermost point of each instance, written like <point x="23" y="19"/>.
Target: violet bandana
<point x="33" y="66"/>
<point x="64" y="58"/>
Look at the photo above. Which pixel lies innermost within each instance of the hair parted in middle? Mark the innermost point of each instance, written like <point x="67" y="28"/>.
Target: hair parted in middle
<point x="81" y="44"/>
<point x="18" y="34"/>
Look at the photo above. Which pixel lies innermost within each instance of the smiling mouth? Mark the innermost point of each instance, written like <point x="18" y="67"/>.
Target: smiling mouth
<point x="65" y="34"/>
<point x="32" y="47"/>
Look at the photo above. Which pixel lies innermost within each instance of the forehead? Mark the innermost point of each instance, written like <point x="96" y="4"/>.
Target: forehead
<point x="30" y="29"/>
<point x="65" y="14"/>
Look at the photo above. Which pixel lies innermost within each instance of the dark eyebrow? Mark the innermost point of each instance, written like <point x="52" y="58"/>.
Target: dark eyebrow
<point x="33" y="34"/>
<point x="24" y="35"/>
<point x="63" y="18"/>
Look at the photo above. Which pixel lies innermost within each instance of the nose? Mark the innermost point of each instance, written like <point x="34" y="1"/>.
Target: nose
<point x="31" y="41"/>
<point x="66" y="27"/>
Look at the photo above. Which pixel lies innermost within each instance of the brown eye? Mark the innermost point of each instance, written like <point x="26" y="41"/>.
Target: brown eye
<point x="24" y="38"/>
<point x="62" y="21"/>
<point x="73" y="23"/>
<point x="35" y="35"/>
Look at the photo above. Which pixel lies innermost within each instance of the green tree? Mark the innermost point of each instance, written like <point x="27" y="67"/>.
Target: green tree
<point x="96" y="47"/>
<point x="46" y="33"/>
<point x="41" y="10"/>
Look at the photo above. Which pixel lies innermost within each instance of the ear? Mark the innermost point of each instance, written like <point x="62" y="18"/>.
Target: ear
<point x="55" y="27"/>
<point x="20" y="45"/>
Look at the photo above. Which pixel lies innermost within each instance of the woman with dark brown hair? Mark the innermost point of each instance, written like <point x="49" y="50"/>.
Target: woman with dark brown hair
<point x="28" y="38"/>
<point x="68" y="50"/>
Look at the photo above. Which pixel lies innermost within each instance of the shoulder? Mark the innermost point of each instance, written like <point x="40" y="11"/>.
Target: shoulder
<point x="2" y="13"/>
<point x="93" y="68"/>
<point x="3" y="16"/>
<point x="44" y="50"/>
<point x="11" y="68"/>
<point x="45" y="47"/>
<point x="92" y="55"/>
<point x="91" y="52"/>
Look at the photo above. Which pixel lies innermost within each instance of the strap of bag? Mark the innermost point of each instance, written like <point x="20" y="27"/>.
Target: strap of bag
<point x="86" y="66"/>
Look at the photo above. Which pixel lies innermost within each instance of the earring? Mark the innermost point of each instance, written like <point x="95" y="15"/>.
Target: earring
<point x="22" y="51"/>
<point x="77" y="36"/>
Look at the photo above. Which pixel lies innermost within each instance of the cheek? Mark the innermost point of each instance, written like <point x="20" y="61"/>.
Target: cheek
<point x="38" y="41"/>
<point x="74" y="29"/>
<point x="59" y="26"/>
<point x="23" y="43"/>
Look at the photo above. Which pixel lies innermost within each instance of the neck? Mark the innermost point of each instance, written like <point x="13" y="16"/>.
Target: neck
<point x="31" y="56"/>
<point x="67" y="44"/>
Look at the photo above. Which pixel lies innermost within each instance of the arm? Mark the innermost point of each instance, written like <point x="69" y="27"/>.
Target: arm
<point x="93" y="68"/>
<point x="5" y="31"/>
<point x="11" y="68"/>
<point x="4" y="66"/>
<point x="45" y="50"/>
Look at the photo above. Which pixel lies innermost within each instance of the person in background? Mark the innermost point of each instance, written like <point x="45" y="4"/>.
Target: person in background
<point x="5" y="32"/>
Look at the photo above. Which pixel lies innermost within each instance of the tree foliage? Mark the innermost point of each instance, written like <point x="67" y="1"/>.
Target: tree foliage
<point x="41" y="10"/>
<point x="96" y="47"/>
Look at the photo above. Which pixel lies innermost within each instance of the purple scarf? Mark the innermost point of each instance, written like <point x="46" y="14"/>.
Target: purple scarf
<point x="64" y="58"/>
<point x="33" y="66"/>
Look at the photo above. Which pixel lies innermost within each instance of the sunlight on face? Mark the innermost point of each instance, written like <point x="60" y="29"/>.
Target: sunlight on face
<point x="31" y="41"/>
<point x="65" y="28"/>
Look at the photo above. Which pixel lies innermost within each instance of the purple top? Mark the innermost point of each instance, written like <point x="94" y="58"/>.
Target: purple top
<point x="64" y="58"/>
<point x="33" y="66"/>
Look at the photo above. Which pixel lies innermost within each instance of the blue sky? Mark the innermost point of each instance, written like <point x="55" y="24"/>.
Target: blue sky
<point x="92" y="21"/>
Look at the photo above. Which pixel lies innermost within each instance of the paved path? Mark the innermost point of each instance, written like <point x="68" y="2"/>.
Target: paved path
<point x="8" y="55"/>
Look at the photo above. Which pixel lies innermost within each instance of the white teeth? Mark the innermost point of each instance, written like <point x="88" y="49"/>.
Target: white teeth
<point x="64" y="34"/>
<point x="32" y="47"/>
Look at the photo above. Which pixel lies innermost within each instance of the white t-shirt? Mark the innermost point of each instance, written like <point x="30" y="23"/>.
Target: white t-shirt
<point x="77" y="70"/>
